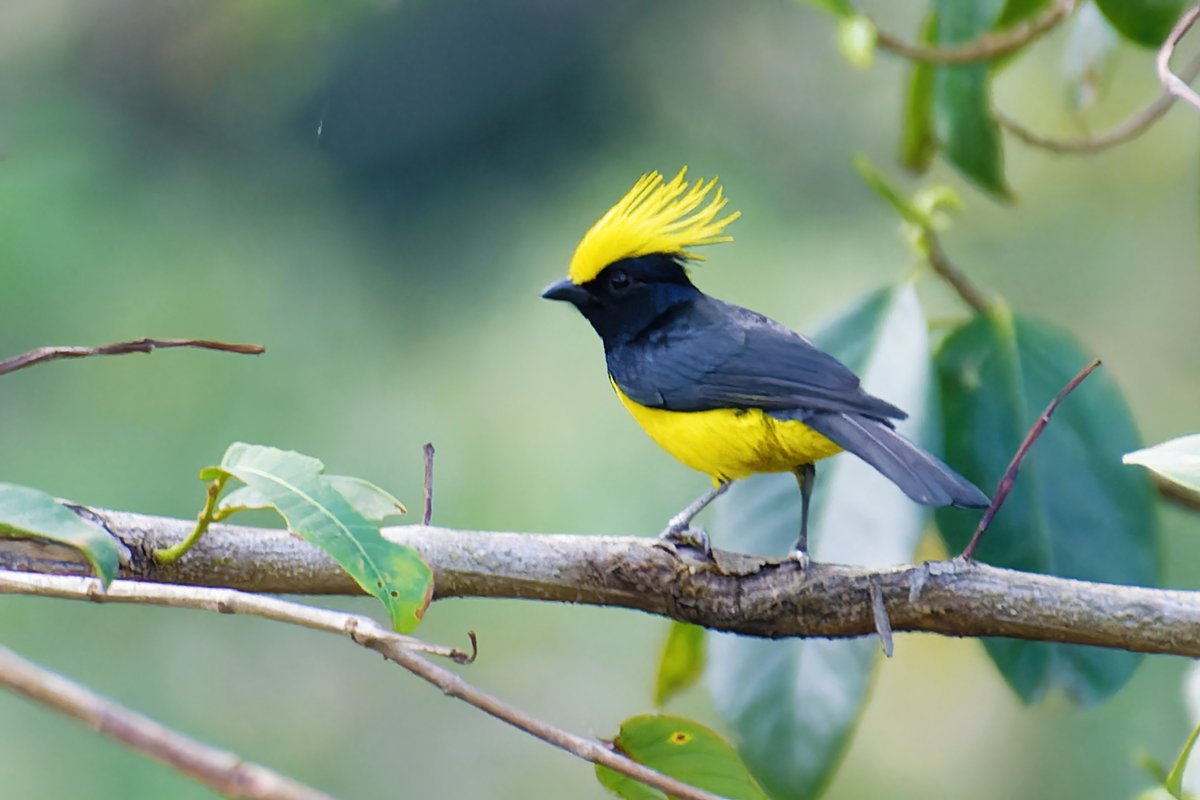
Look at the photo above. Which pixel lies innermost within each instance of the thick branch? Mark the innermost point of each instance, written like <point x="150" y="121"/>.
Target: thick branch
<point x="752" y="596"/>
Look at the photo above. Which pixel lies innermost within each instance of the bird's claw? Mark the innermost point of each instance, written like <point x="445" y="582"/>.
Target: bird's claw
<point x="687" y="536"/>
<point x="801" y="558"/>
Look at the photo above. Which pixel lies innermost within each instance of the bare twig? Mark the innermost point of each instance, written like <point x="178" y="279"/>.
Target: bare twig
<point x="361" y="629"/>
<point x="740" y="594"/>
<point x="43" y="354"/>
<point x="221" y="771"/>
<point x="427" y="514"/>
<point x="1170" y="81"/>
<point x="944" y="267"/>
<point x="986" y="47"/>
<point x="364" y="631"/>
<point x="1010" y="475"/>
<point x="1123" y="132"/>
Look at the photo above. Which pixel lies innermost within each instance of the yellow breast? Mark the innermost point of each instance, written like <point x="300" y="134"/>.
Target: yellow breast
<point x="730" y="444"/>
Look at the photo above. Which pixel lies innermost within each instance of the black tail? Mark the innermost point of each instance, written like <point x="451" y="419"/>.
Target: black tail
<point x="920" y="475"/>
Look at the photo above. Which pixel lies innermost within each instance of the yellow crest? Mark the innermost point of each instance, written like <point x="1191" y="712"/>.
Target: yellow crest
<point x="653" y="217"/>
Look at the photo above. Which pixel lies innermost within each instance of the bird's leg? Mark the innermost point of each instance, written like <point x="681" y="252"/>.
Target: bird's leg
<point x="679" y="530"/>
<point x="806" y="474"/>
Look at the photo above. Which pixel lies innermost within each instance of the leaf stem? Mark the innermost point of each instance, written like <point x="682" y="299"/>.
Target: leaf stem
<point x="206" y="517"/>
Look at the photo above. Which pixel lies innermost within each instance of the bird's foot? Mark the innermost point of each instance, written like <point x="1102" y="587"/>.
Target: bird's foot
<point x="683" y="535"/>
<point x="801" y="558"/>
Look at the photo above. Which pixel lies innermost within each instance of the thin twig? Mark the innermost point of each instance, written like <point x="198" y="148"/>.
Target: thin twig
<point x="1010" y="475"/>
<point x="985" y="47"/>
<point x="943" y="266"/>
<point x="427" y="514"/>
<point x="43" y="354"/>
<point x="1123" y="132"/>
<point x="221" y="771"/>
<point x="1172" y="82"/>
<point x="362" y="630"/>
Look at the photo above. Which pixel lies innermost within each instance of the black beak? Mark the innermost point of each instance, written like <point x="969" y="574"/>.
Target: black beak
<point x="565" y="290"/>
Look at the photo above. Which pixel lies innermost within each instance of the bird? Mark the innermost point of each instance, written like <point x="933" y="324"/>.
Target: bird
<point x="726" y="390"/>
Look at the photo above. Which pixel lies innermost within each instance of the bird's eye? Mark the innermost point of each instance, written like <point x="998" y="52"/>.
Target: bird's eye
<point x="618" y="281"/>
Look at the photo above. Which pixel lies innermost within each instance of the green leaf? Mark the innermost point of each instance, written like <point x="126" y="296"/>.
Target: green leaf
<point x="292" y="483"/>
<point x="682" y="661"/>
<point x="1074" y="511"/>
<point x="1145" y="22"/>
<point x="1177" y="460"/>
<point x="1017" y="11"/>
<point x="374" y="503"/>
<point x="792" y="704"/>
<point x="683" y="749"/>
<point x="966" y="129"/>
<point x="26" y="513"/>
<point x="918" y="142"/>
<point x="1174" y="780"/>
<point x="843" y="9"/>
<point x="856" y="39"/>
<point x="882" y="186"/>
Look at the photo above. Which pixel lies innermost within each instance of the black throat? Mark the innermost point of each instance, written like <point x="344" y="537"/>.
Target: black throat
<point x="630" y="298"/>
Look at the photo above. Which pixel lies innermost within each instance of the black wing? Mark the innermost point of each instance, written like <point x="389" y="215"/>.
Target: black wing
<point x="707" y="354"/>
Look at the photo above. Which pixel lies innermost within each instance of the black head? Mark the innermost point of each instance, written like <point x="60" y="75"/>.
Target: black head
<point x="628" y="295"/>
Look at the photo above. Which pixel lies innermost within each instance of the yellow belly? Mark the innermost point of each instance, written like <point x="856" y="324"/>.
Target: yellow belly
<point x="730" y="444"/>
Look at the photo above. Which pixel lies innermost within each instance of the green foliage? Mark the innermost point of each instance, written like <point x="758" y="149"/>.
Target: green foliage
<point x="26" y="512"/>
<point x="1074" y="510"/>
<point x="1177" y="460"/>
<point x="967" y="130"/>
<point x="918" y="142"/>
<point x="313" y="508"/>
<point x="793" y="704"/>
<point x="682" y="661"/>
<point x="684" y="750"/>
<point x="1145" y="22"/>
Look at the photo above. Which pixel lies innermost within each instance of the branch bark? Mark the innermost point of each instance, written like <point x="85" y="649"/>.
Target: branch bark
<point x="747" y="595"/>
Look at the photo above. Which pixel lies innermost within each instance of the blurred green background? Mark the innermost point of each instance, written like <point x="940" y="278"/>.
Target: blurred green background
<point x="378" y="191"/>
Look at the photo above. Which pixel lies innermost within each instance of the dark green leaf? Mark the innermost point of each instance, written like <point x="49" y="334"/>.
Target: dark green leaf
<point x="1146" y="22"/>
<point x="292" y="483"/>
<point x="682" y="661"/>
<point x="26" y="512"/>
<point x="918" y="143"/>
<point x="1075" y="510"/>
<point x="967" y="132"/>
<point x="791" y="705"/>
<point x="683" y="749"/>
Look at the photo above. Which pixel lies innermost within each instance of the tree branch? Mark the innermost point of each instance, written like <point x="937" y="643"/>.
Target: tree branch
<point x="1170" y="81"/>
<point x="402" y="650"/>
<point x="44" y="354"/>
<point x="986" y="47"/>
<point x="1123" y="132"/>
<point x="752" y="596"/>
<point x="222" y="772"/>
